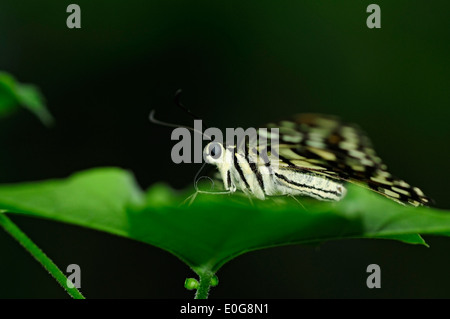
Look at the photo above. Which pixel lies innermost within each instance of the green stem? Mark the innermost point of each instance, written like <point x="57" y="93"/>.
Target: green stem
<point x="38" y="254"/>
<point x="204" y="284"/>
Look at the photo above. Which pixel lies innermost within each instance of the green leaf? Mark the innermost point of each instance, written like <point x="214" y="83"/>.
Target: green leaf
<point x="215" y="228"/>
<point x="14" y="94"/>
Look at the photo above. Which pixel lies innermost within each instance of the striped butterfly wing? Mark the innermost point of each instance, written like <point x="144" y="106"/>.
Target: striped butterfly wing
<point x="341" y="151"/>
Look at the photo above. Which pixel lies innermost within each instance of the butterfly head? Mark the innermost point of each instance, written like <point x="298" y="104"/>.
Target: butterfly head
<point x="213" y="153"/>
<point x="221" y="156"/>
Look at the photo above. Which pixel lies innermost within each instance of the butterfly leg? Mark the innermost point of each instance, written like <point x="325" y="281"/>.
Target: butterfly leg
<point x="191" y="197"/>
<point x="295" y="198"/>
<point x="250" y="200"/>
<point x="194" y="196"/>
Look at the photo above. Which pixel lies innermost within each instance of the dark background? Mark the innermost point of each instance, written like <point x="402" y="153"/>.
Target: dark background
<point x="240" y="64"/>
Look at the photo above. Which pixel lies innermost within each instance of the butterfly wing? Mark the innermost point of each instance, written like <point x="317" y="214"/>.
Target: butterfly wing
<point x="340" y="151"/>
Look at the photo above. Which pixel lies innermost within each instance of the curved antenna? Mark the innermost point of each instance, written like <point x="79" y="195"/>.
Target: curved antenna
<point x="152" y="119"/>
<point x="197" y="178"/>
<point x="177" y="100"/>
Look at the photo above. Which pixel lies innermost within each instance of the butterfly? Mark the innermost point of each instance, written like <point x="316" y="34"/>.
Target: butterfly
<point x="315" y="155"/>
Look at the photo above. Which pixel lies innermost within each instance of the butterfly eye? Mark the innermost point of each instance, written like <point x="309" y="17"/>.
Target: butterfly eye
<point x="215" y="151"/>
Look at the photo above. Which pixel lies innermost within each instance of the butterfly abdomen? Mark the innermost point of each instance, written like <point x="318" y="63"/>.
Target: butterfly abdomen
<point x="258" y="179"/>
<point x="309" y="184"/>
